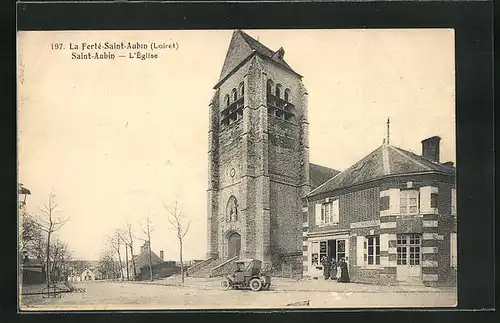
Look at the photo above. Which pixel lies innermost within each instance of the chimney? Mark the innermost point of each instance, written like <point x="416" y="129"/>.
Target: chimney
<point x="161" y="254"/>
<point x="430" y="148"/>
<point x="145" y="246"/>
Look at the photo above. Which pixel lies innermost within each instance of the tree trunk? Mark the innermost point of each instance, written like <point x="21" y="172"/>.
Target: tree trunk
<point x="133" y="261"/>
<point x="182" y="263"/>
<point x="126" y="262"/>
<point x="150" y="266"/>
<point x="120" y="261"/>
<point x="47" y="260"/>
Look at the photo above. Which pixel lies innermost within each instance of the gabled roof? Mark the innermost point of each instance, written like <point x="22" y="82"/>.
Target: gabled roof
<point x="142" y="259"/>
<point x="241" y="47"/>
<point x="320" y="174"/>
<point x="384" y="161"/>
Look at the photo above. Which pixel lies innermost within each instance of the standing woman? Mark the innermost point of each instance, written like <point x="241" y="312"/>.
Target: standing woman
<point x="333" y="269"/>
<point x="326" y="267"/>
<point x="344" y="276"/>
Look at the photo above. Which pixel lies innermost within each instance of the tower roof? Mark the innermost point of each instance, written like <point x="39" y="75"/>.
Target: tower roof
<point x="384" y="161"/>
<point x="242" y="47"/>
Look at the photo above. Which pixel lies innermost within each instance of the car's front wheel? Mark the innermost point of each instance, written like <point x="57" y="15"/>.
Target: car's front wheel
<point x="255" y="284"/>
<point x="225" y="284"/>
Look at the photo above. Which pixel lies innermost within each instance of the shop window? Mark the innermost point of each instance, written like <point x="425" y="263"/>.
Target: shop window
<point x="372" y="247"/>
<point x="408" y="202"/>
<point x="314" y="253"/>
<point x="453" y="201"/>
<point x="322" y="250"/>
<point x="341" y="249"/>
<point x="408" y="249"/>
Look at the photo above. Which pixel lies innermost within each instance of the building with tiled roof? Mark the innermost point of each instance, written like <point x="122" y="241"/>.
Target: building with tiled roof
<point x="391" y="215"/>
<point x="141" y="260"/>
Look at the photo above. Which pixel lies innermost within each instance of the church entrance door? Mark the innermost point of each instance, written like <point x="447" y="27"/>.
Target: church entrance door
<point x="233" y="245"/>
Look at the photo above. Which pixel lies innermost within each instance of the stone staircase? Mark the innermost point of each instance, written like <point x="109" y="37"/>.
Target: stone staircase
<point x="203" y="271"/>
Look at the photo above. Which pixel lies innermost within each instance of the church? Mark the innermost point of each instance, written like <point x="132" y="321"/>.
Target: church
<point x="391" y="216"/>
<point x="259" y="169"/>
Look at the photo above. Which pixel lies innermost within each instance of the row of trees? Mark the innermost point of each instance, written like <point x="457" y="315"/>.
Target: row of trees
<point x="121" y="242"/>
<point x="38" y="239"/>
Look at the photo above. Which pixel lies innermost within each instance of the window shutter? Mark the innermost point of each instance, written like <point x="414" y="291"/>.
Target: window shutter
<point x="394" y="200"/>
<point x="453" y="201"/>
<point x="453" y="249"/>
<point x="318" y="214"/>
<point x="425" y="198"/>
<point x="360" y="251"/>
<point x="335" y="212"/>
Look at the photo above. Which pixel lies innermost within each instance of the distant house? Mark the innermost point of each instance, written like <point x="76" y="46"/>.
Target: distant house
<point x="142" y="261"/>
<point x="87" y="274"/>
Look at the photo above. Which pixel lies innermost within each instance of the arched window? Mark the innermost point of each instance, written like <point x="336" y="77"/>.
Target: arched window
<point x="234" y="95"/>
<point x="270" y="85"/>
<point x="278" y="91"/>
<point x="232" y="209"/>
<point x="242" y="89"/>
<point x="226" y="100"/>
<point x="287" y="95"/>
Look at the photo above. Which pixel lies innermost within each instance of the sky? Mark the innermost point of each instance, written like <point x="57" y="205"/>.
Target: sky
<point x="117" y="140"/>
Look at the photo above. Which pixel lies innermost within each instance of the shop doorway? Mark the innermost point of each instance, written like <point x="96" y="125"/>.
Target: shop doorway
<point x="335" y="248"/>
<point x="408" y="247"/>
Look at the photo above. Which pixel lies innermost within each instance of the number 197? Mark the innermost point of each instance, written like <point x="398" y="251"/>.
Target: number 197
<point x="57" y="46"/>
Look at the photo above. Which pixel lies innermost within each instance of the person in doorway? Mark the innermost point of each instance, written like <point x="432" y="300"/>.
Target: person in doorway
<point x="333" y="269"/>
<point x="326" y="267"/>
<point x="344" y="272"/>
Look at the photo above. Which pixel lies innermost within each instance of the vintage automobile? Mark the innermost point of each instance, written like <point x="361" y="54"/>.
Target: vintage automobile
<point x="246" y="274"/>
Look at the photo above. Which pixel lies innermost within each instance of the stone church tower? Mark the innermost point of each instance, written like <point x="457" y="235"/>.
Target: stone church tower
<point x="258" y="157"/>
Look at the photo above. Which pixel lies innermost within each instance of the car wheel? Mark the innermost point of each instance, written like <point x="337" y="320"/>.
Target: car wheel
<point x="255" y="284"/>
<point x="225" y="284"/>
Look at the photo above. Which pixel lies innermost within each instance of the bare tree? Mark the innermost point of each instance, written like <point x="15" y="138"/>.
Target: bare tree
<point x="30" y="235"/>
<point x="148" y="229"/>
<point x="60" y="256"/>
<point x="123" y="235"/>
<point x="131" y="246"/>
<point x="49" y="223"/>
<point x="178" y="223"/>
<point x="107" y="264"/>
<point x="115" y="241"/>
